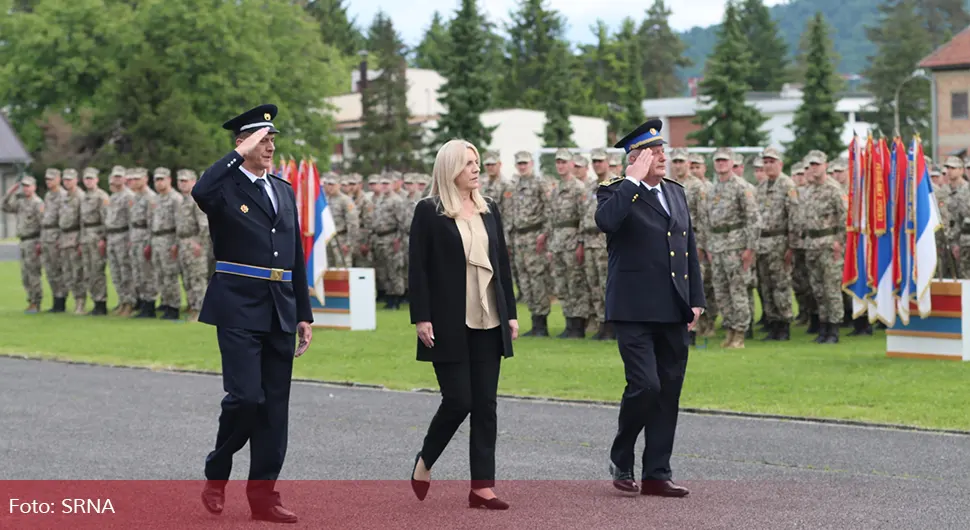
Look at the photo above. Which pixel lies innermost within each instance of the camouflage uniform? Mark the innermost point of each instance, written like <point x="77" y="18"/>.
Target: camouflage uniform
<point x="566" y="209"/>
<point x="93" y="245"/>
<point x="161" y="221"/>
<point x="529" y="219"/>
<point x="29" y="213"/>
<point x="69" y="244"/>
<point x="388" y="232"/>
<point x="731" y="228"/>
<point x="953" y="200"/>
<point x="500" y="191"/>
<point x="346" y="218"/>
<point x="750" y="275"/>
<point x="143" y="272"/>
<point x="595" y="256"/>
<point x="50" y="235"/>
<point x="116" y="217"/>
<point x="807" y="306"/>
<point x="192" y="233"/>
<point x="779" y="203"/>
<point x="365" y="212"/>
<point x="696" y="189"/>
<point x="824" y="223"/>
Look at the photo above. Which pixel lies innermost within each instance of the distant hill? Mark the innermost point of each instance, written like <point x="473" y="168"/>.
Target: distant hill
<point x="848" y="19"/>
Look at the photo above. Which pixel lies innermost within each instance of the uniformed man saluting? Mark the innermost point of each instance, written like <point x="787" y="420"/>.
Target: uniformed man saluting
<point x="654" y="296"/>
<point x="258" y="299"/>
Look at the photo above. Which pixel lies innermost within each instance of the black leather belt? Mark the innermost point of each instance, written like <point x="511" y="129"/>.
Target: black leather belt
<point x="164" y="232"/>
<point x="529" y="228"/>
<point x="139" y="225"/>
<point x="70" y="230"/>
<point x="726" y="228"/>
<point x="116" y="230"/>
<point x="822" y="233"/>
<point x="30" y="237"/>
<point x="773" y="233"/>
<point x="566" y="224"/>
<point x="388" y="232"/>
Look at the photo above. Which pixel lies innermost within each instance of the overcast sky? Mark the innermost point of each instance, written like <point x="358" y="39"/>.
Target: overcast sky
<point x="411" y="21"/>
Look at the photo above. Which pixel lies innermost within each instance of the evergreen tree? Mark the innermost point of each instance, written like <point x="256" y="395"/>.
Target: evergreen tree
<point x="729" y="121"/>
<point x="494" y="51"/>
<point x="336" y="26"/>
<point x="769" y="52"/>
<point x="800" y="66"/>
<point x="602" y="71"/>
<point x="557" y="131"/>
<point x="466" y="93"/>
<point x="631" y="91"/>
<point x="535" y="33"/>
<point x="944" y="19"/>
<point x="901" y="41"/>
<point x="387" y="140"/>
<point x="662" y="54"/>
<point x="817" y="124"/>
<point x="432" y="51"/>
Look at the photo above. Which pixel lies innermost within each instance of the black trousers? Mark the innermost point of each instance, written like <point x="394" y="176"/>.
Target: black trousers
<point x="257" y="369"/>
<point x="469" y="388"/>
<point x="654" y="361"/>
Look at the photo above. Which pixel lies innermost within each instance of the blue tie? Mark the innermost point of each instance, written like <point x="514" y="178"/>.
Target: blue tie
<point x="261" y="182"/>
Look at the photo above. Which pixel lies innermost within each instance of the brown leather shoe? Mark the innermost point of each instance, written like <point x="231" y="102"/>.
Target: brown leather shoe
<point x="214" y="499"/>
<point x="274" y="514"/>
<point x="663" y="488"/>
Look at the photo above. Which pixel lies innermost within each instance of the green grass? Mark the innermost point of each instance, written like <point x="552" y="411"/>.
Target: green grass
<point x="853" y="380"/>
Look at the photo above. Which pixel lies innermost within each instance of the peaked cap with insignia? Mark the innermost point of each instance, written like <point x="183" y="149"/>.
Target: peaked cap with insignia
<point x="253" y="120"/>
<point x="646" y="135"/>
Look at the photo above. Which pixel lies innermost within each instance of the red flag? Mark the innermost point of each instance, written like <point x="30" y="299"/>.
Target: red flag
<point x="899" y="216"/>
<point x="850" y="269"/>
<point x="878" y="175"/>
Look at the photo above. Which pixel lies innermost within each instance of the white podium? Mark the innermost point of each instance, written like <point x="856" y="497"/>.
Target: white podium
<point x="943" y="333"/>
<point x="350" y="296"/>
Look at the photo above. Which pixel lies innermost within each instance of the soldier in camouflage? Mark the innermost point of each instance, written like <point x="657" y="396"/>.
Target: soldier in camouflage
<point x="778" y="198"/>
<point x="695" y="189"/>
<point x="500" y="191"/>
<point x="824" y="231"/>
<point x="731" y="227"/>
<point x="566" y="208"/>
<point x="361" y="256"/>
<point x="50" y="235"/>
<point x="529" y="221"/>
<point x="801" y="286"/>
<point x="388" y="233"/>
<point x="69" y="244"/>
<point x="953" y="199"/>
<point x="346" y="219"/>
<point x="116" y="216"/>
<point x="22" y="200"/>
<point x="163" y="248"/>
<point x="592" y="240"/>
<point x="750" y="276"/>
<point x="141" y="262"/>
<point x="94" y="246"/>
<point x="192" y="233"/>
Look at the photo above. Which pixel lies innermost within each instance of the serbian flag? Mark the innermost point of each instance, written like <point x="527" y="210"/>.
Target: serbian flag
<point x="321" y="227"/>
<point x="887" y="256"/>
<point x="877" y="222"/>
<point x="854" y="268"/>
<point x="907" y="239"/>
<point x="927" y="222"/>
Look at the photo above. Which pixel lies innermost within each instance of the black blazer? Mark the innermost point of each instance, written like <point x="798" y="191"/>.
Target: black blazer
<point x="244" y="232"/>
<point x="653" y="273"/>
<point x="436" y="280"/>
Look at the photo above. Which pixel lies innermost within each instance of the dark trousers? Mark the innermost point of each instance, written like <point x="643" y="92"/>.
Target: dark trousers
<point x="257" y="369"/>
<point x="654" y="361"/>
<point x="469" y="388"/>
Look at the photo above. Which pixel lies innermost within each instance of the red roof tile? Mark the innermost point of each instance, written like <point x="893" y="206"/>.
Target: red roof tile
<point x="953" y="53"/>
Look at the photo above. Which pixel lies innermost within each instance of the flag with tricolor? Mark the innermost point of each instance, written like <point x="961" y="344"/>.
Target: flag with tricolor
<point x="854" y="280"/>
<point x="927" y="222"/>
<point x="319" y="228"/>
<point x="878" y="160"/>
<point x="887" y="256"/>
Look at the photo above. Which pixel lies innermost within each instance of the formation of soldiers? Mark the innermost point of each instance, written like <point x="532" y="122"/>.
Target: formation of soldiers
<point x="148" y="236"/>
<point x="781" y="239"/>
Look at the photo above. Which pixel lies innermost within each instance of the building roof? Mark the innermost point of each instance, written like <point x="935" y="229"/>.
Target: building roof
<point x="12" y="151"/>
<point x="953" y="54"/>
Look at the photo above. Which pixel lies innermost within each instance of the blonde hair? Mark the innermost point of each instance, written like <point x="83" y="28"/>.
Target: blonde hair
<point x="448" y="164"/>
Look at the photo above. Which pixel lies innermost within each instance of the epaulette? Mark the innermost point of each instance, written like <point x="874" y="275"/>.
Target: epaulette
<point x="612" y="181"/>
<point x="281" y="179"/>
<point x="673" y="182"/>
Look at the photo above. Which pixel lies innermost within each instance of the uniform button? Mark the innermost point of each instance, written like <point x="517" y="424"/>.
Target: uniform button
<point x="668" y="234"/>
<point x="686" y="254"/>
<point x="672" y="275"/>
<point x="276" y="254"/>
<point x="685" y="276"/>
<point x="671" y="253"/>
<point x="273" y="230"/>
<point x="685" y="233"/>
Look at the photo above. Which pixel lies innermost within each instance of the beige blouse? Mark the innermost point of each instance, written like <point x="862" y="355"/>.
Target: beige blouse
<point x="481" y="311"/>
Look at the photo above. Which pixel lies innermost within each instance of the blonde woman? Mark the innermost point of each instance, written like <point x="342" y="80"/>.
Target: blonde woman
<point x="464" y="312"/>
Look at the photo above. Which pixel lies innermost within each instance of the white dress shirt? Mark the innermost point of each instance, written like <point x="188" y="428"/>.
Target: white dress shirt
<point x="265" y="184"/>
<point x="660" y="192"/>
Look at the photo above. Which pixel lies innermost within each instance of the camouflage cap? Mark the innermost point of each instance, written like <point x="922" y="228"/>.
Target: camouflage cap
<point x="696" y="158"/>
<point x="117" y="170"/>
<point x="91" y="172"/>
<point x="771" y="152"/>
<point x="563" y="154"/>
<point x="141" y="172"/>
<point x="967" y="160"/>
<point x="28" y="181"/>
<point x="185" y="174"/>
<point x="724" y="153"/>
<point x="840" y="164"/>
<point x="678" y="153"/>
<point x="798" y="168"/>
<point x="580" y="160"/>
<point x="935" y="171"/>
<point x="411" y="178"/>
<point x="954" y="162"/>
<point x="816" y="157"/>
<point x="829" y="170"/>
<point x="69" y="174"/>
<point x="491" y="157"/>
<point x="330" y="178"/>
<point x="162" y="172"/>
<point x="52" y="173"/>
<point x="758" y="161"/>
<point x="356" y="178"/>
<point x="597" y="154"/>
<point x="523" y="156"/>
<point x="738" y="159"/>
<point x="615" y="160"/>
<point x="374" y="179"/>
<point x="386" y="179"/>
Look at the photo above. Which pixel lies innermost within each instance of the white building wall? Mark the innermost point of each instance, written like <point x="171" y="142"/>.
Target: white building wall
<point x="521" y="130"/>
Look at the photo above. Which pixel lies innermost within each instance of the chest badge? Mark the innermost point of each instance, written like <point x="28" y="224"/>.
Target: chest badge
<point x="244" y="209"/>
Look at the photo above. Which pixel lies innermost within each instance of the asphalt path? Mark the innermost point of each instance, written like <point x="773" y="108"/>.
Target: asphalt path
<point x="354" y="447"/>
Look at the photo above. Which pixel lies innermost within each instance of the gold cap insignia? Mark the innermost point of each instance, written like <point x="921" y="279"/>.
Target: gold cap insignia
<point x="244" y="209"/>
<point x="266" y="116"/>
<point x="653" y="131"/>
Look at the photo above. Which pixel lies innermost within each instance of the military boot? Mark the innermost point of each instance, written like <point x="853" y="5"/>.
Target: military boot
<point x="610" y="332"/>
<point x="79" y="307"/>
<point x="824" y="330"/>
<point x="567" y="332"/>
<point x="772" y="327"/>
<point x="31" y="309"/>
<point x="738" y="342"/>
<point x="100" y="309"/>
<point x="833" y="336"/>
<point x="814" y="326"/>
<point x="543" y="322"/>
<point x="147" y="309"/>
<point x="125" y="310"/>
<point x="170" y="313"/>
<point x="860" y="326"/>
<point x="600" y="333"/>
<point x="535" y="328"/>
<point x="784" y="331"/>
<point x="58" y="306"/>
<point x="728" y="339"/>
<point x="579" y="328"/>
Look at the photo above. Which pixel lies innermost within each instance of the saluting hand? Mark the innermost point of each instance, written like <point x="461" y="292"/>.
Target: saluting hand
<point x="641" y="165"/>
<point x="250" y="143"/>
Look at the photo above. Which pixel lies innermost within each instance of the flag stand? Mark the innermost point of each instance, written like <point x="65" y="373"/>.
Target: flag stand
<point x="940" y="335"/>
